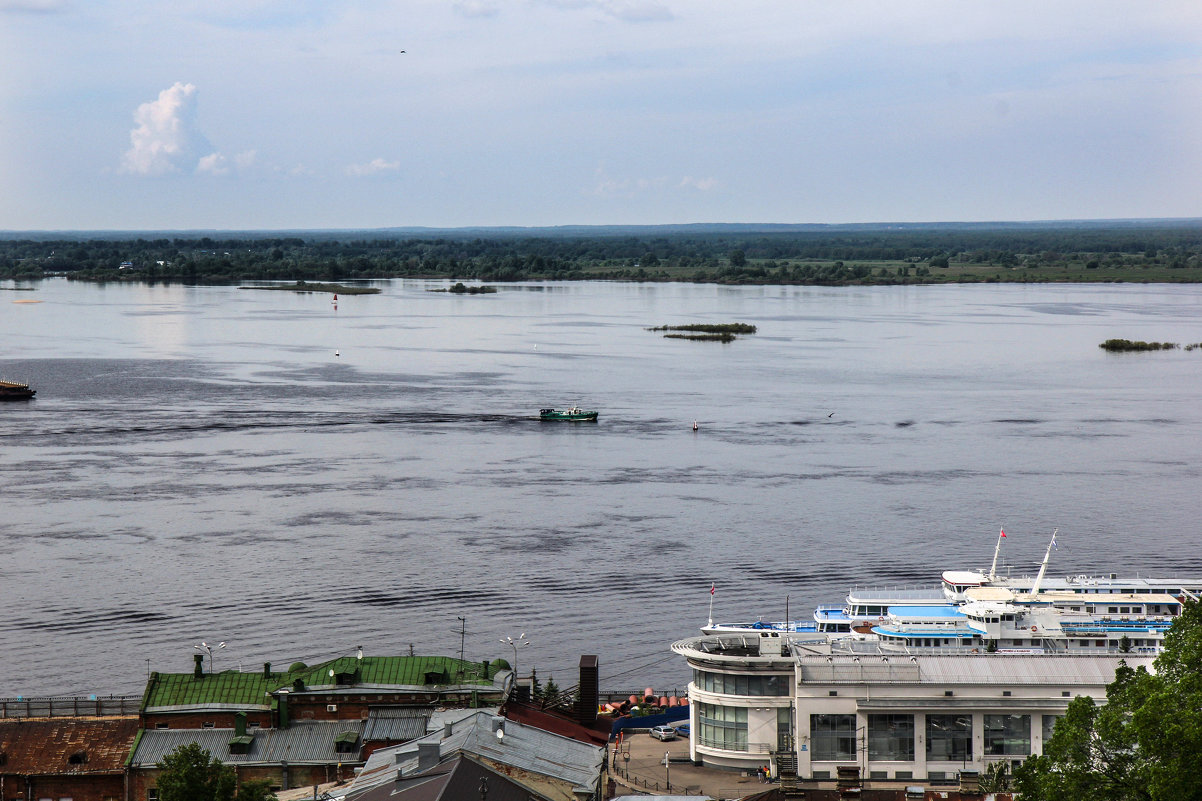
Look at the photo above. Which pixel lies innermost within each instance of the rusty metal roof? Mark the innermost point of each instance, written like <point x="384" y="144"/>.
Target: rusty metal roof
<point x="67" y="746"/>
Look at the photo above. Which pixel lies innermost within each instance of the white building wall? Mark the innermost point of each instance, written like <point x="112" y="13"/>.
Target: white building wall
<point x="931" y="684"/>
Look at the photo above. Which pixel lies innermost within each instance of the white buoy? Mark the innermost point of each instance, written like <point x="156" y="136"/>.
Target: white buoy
<point x="337" y="353"/>
<point x="694" y="425"/>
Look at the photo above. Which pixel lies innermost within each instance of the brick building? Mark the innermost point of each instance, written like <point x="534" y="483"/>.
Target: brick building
<point x="78" y="758"/>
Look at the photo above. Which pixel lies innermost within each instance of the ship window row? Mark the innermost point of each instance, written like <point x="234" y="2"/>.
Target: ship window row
<point x="890" y="737"/>
<point x="722" y="727"/>
<point x="733" y="684"/>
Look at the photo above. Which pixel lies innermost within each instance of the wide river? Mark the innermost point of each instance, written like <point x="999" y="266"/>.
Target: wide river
<point x="296" y="479"/>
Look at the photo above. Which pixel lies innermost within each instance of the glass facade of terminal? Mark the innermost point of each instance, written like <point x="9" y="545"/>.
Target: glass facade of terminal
<point x="949" y="738"/>
<point x="1008" y="735"/>
<point x="735" y="684"/>
<point x="722" y="727"/>
<point x="833" y="738"/>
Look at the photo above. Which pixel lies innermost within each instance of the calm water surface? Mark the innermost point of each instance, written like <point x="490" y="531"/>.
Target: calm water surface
<point x="298" y="479"/>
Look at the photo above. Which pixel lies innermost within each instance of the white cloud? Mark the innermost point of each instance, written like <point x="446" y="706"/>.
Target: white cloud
<point x="627" y="10"/>
<point x="219" y="164"/>
<point x="213" y="164"/>
<point x="167" y="139"/>
<point x="477" y="8"/>
<point x="700" y="184"/>
<point x="32" y="6"/>
<point x="374" y="167"/>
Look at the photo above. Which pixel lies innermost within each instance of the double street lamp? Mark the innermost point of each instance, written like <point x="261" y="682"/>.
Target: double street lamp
<point x="512" y="643"/>
<point x="208" y="649"/>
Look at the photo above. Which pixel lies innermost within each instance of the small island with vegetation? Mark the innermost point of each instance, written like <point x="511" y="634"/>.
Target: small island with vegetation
<point x="723" y="332"/>
<point x="305" y="286"/>
<point x="1127" y="344"/>
<point x="460" y="288"/>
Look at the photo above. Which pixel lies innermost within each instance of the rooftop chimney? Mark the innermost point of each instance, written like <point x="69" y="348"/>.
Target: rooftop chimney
<point x="447" y="728"/>
<point x="589" y="694"/>
<point x="427" y="756"/>
<point x="198" y="668"/>
<point x="267" y="670"/>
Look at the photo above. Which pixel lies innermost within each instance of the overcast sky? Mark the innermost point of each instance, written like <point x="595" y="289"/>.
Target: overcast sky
<point x="241" y="114"/>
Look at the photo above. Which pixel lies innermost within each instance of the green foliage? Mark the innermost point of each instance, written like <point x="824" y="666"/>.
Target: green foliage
<point x="814" y="255"/>
<point x="996" y="778"/>
<point x="189" y="773"/>
<point x="459" y="288"/>
<point x="552" y="689"/>
<point x="1143" y="744"/>
<point x="720" y="328"/>
<point x="1127" y="344"/>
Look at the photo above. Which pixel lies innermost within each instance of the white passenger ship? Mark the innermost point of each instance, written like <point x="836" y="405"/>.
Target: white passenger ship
<point x="984" y="611"/>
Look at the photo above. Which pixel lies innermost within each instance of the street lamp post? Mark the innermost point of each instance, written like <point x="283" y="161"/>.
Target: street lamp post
<point x="512" y="643"/>
<point x="208" y="649"/>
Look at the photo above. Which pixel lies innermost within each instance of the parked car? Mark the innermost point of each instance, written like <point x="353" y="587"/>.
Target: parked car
<point x="683" y="730"/>
<point x="663" y="733"/>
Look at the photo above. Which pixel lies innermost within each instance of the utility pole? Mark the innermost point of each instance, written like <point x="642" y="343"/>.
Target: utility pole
<point x="462" y="632"/>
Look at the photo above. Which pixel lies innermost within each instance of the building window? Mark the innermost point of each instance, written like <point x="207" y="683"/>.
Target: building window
<point x="152" y="794"/>
<point x="891" y="737"/>
<point x="722" y="727"/>
<point x="732" y="684"/>
<point x="949" y="738"/>
<point x="784" y="729"/>
<point x="1008" y="735"/>
<point x="1049" y="726"/>
<point x="833" y="738"/>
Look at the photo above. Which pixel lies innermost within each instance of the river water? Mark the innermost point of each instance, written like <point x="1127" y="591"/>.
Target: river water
<point x="296" y="478"/>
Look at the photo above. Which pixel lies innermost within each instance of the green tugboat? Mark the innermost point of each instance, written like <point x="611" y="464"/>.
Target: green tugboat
<point x="574" y="413"/>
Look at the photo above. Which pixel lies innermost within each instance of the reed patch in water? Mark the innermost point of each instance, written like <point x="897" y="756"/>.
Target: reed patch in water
<point x="706" y="332"/>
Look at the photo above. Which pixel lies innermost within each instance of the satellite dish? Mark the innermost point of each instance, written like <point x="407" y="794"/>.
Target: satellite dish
<point x="500" y="734"/>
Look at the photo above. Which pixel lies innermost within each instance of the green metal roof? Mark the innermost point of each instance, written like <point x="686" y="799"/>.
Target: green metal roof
<point x="226" y="688"/>
<point x="398" y="671"/>
<point x="232" y="688"/>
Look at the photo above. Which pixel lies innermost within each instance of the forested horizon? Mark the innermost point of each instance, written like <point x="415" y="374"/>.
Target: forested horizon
<point x="1140" y="251"/>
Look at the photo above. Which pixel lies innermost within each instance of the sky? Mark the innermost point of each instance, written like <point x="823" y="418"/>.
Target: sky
<point x="304" y="114"/>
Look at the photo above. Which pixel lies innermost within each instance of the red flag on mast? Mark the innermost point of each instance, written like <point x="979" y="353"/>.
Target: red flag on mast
<point x="1003" y="531"/>
<point x="712" y="588"/>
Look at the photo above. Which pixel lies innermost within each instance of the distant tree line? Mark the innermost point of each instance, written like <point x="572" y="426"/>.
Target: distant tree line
<point x="832" y="256"/>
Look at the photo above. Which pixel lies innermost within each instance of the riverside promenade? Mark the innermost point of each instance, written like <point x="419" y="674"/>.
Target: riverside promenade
<point x="644" y="772"/>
